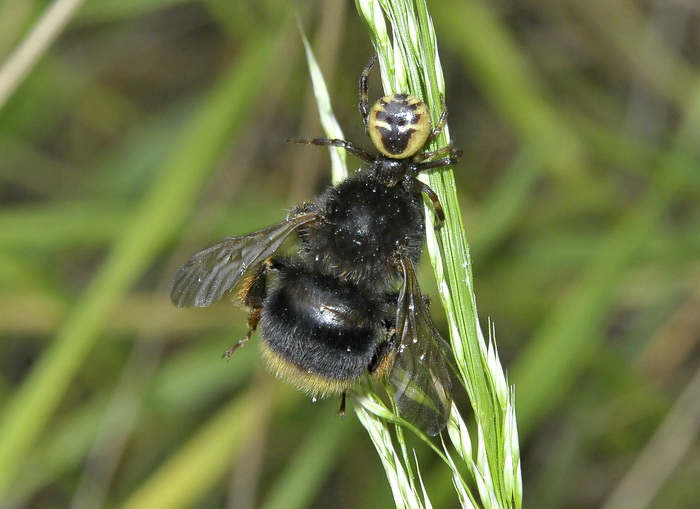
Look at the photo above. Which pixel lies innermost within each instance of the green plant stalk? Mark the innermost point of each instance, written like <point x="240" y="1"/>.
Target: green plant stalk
<point x="410" y="63"/>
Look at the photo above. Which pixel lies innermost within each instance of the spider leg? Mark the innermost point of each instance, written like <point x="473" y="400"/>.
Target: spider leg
<point x="447" y="149"/>
<point x="334" y="142"/>
<point x="441" y="121"/>
<point x="364" y="91"/>
<point x="425" y="188"/>
<point x="453" y="158"/>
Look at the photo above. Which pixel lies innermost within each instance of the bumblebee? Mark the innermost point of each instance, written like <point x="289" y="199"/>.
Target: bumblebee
<point x="347" y="301"/>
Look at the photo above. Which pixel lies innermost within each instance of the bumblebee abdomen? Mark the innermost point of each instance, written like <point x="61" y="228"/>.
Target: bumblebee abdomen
<point x="319" y="332"/>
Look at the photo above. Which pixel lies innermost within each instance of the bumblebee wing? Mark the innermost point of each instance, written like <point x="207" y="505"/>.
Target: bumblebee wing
<point x="209" y="274"/>
<point x="420" y="374"/>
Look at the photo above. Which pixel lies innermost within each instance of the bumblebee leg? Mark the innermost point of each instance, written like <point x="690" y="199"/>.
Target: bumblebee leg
<point x="253" y="319"/>
<point x="341" y="410"/>
<point x="364" y="91"/>
<point x="253" y="294"/>
<point x="334" y="142"/>
<point x="383" y="359"/>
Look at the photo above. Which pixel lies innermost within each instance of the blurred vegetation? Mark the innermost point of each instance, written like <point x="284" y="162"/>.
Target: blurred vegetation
<point x="146" y="130"/>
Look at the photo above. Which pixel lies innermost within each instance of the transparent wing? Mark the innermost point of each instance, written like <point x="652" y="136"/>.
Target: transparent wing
<point x="209" y="274"/>
<point x="420" y="374"/>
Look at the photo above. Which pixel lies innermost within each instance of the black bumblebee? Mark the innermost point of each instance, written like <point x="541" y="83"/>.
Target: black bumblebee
<point x="347" y="302"/>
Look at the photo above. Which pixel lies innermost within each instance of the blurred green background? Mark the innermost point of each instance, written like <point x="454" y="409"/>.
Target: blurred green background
<point x="148" y="129"/>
